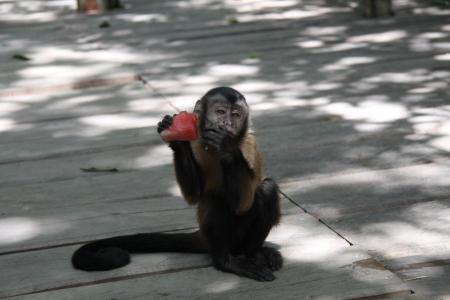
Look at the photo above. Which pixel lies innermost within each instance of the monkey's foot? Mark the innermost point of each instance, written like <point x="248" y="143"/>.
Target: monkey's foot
<point x="272" y="257"/>
<point x="247" y="267"/>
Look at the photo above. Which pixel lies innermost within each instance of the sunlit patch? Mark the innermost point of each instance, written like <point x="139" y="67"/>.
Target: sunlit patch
<point x="422" y="90"/>
<point x="347" y="62"/>
<point x="252" y="6"/>
<point x="36" y="17"/>
<point x="325" y="86"/>
<point x="57" y="74"/>
<point x="433" y="35"/>
<point x="288" y="14"/>
<point x="265" y="106"/>
<point x="310" y="44"/>
<point x="443" y="57"/>
<point x="49" y="54"/>
<point x="432" y="11"/>
<point x="143" y="18"/>
<point x="6" y="108"/>
<point x="380" y="37"/>
<point x="198" y="79"/>
<point x="14" y="230"/>
<point x="174" y="190"/>
<point x="156" y="156"/>
<point x="421" y="45"/>
<point x="73" y="102"/>
<point x="251" y="86"/>
<point x="342" y="47"/>
<point x="391" y="233"/>
<point x="442" y="143"/>
<point x="118" y="121"/>
<point x="225" y="284"/>
<point x="103" y="124"/>
<point x="433" y="215"/>
<point x="319" y="101"/>
<point x="373" y="110"/>
<point x="148" y="105"/>
<point x="370" y="127"/>
<point x="232" y="70"/>
<point x="6" y="125"/>
<point x="306" y="243"/>
<point x="324" y="30"/>
<point x="413" y="76"/>
<point x="317" y="248"/>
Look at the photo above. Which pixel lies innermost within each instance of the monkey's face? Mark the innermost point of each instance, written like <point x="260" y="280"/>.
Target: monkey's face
<point x="226" y="115"/>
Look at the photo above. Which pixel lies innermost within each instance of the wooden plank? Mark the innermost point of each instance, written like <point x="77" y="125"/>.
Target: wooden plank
<point x="157" y="181"/>
<point x="124" y="159"/>
<point x="308" y="248"/>
<point x="393" y="214"/>
<point x="427" y="274"/>
<point x="417" y="229"/>
<point x="334" y="195"/>
<point x="429" y="282"/>
<point x="75" y="223"/>
<point x="69" y="225"/>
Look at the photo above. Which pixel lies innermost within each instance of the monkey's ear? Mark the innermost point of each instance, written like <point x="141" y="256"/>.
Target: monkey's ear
<point x="198" y="107"/>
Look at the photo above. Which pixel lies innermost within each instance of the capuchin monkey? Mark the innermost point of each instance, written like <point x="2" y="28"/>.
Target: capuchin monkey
<point x="222" y="173"/>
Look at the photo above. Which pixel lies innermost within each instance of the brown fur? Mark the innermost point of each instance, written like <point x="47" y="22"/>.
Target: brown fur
<point x="209" y="163"/>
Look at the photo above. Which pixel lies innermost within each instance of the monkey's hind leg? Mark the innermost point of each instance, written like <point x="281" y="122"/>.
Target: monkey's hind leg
<point x="218" y="232"/>
<point x="264" y="215"/>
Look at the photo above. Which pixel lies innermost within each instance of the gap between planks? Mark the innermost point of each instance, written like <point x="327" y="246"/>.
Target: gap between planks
<point x="392" y="295"/>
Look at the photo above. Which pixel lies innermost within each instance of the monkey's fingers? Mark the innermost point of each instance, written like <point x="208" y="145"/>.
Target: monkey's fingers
<point x="212" y="138"/>
<point x="165" y="123"/>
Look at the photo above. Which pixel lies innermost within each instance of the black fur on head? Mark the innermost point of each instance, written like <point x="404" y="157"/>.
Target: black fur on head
<point x="231" y="95"/>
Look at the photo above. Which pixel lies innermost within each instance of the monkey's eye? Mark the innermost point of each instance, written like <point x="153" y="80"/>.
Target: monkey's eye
<point x="220" y="111"/>
<point x="235" y="114"/>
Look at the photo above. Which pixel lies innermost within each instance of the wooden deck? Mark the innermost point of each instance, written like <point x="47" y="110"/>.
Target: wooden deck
<point x="352" y="116"/>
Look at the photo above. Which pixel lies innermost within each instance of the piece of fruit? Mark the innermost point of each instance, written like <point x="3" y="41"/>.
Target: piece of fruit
<point x="183" y="128"/>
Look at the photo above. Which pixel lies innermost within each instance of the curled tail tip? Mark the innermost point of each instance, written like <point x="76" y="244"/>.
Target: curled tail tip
<point x="101" y="260"/>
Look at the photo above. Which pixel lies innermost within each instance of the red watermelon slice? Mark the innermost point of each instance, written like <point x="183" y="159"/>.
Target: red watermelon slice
<point x="183" y="128"/>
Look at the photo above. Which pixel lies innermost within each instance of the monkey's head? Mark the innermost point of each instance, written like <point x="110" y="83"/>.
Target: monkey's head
<point x="225" y="108"/>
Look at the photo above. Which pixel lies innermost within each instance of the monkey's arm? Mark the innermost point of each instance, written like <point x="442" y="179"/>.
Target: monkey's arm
<point x="188" y="173"/>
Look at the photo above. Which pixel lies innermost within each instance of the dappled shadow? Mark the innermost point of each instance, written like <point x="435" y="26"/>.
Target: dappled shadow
<point x="352" y="115"/>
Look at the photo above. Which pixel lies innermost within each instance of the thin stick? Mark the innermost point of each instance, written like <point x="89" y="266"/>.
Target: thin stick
<point x="154" y="90"/>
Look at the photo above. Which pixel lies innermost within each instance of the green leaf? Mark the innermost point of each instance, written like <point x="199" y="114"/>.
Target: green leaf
<point x="233" y="20"/>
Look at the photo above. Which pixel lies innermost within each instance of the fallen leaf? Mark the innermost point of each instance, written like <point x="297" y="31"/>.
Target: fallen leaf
<point x="21" y="57"/>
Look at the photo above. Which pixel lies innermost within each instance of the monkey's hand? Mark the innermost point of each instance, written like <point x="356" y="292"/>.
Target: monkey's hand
<point x="165" y="123"/>
<point x="221" y="141"/>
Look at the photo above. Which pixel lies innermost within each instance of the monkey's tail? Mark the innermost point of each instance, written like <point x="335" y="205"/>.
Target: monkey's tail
<point x="112" y="253"/>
